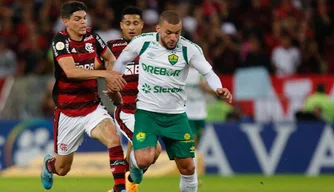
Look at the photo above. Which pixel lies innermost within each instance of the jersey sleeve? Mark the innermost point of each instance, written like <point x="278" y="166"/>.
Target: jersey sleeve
<point x="198" y="61"/>
<point x="101" y="46"/>
<point x="60" y="47"/>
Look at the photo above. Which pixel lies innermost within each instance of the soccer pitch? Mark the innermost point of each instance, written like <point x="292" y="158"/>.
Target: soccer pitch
<point x="242" y="183"/>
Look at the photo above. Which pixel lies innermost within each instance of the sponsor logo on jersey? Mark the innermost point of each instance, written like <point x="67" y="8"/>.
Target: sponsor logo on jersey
<point x="158" y="89"/>
<point x="146" y="88"/>
<point x="119" y="44"/>
<point x="160" y="70"/>
<point x="74" y="50"/>
<point x="132" y="69"/>
<point x="187" y="136"/>
<point x="173" y="59"/>
<point x="88" y="66"/>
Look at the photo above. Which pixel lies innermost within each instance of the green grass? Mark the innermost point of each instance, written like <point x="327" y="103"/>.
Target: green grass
<point x="242" y="183"/>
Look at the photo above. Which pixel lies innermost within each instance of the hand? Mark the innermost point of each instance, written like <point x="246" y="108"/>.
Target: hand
<point x="114" y="81"/>
<point x="224" y="94"/>
<point x="114" y="97"/>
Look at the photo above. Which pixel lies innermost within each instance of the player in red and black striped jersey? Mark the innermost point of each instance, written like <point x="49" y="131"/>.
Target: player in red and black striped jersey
<point x="78" y="105"/>
<point x="131" y="26"/>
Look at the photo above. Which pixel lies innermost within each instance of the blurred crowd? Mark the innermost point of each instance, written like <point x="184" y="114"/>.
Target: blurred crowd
<point x="285" y="36"/>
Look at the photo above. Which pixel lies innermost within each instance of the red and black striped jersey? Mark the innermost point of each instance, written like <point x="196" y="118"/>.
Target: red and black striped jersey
<point x="76" y="97"/>
<point x="130" y="91"/>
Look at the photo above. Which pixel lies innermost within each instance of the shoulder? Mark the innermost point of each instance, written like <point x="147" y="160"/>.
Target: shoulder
<point x="60" y="36"/>
<point x="191" y="46"/>
<point x="145" y="37"/>
<point x="117" y="41"/>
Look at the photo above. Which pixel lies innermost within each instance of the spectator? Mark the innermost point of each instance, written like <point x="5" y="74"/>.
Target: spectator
<point x="286" y="57"/>
<point x="256" y="57"/>
<point x="8" y="61"/>
<point x="319" y="103"/>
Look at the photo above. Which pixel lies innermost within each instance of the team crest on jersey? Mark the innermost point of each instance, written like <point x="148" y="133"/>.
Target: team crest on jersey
<point x="140" y="136"/>
<point x="173" y="59"/>
<point x="89" y="47"/>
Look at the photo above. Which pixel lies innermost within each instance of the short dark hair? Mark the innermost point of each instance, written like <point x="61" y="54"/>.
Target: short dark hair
<point x="172" y="17"/>
<point x="70" y="7"/>
<point x="132" y="10"/>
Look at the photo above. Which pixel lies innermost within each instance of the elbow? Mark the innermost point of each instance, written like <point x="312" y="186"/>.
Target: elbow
<point x="70" y="75"/>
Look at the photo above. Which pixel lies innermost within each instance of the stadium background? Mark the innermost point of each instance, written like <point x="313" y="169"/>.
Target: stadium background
<point x="259" y="133"/>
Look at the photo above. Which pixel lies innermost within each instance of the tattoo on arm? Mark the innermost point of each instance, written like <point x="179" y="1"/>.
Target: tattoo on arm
<point x="109" y="59"/>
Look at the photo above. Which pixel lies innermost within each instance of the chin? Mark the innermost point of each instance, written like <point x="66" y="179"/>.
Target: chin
<point x="171" y="48"/>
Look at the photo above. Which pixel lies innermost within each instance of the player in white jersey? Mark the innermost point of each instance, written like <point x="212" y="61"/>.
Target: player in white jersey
<point x="196" y="87"/>
<point x="164" y="63"/>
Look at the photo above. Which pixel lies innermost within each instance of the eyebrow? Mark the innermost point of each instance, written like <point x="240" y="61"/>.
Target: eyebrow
<point x="80" y="16"/>
<point x="173" y="31"/>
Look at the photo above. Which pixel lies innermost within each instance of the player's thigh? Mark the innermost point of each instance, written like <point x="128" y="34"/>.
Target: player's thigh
<point x="145" y="132"/>
<point x="68" y="133"/>
<point x="178" y="137"/>
<point x="99" y="125"/>
<point x="125" y="123"/>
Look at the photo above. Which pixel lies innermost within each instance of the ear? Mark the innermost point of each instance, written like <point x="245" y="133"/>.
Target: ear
<point x="65" y="21"/>
<point x="120" y="25"/>
<point x="157" y="28"/>
<point x="142" y="25"/>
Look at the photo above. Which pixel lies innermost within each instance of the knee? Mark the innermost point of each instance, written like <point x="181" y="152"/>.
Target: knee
<point x="63" y="170"/>
<point x="144" y="160"/>
<point x="187" y="169"/>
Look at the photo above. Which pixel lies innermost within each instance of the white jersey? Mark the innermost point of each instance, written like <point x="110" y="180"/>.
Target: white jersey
<point x="163" y="72"/>
<point x="196" y="103"/>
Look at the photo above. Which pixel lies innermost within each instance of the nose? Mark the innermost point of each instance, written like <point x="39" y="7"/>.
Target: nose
<point x="83" y="21"/>
<point x="131" y="27"/>
<point x="173" y="37"/>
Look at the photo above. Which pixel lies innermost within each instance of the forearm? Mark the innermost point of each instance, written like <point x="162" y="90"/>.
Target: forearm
<point x="123" y="60"/>
<point x="109" y="65"/>
<point x="83" y="74"/>
<point x="213" y="80"/>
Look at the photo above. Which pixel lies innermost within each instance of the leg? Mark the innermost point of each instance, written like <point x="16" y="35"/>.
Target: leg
<point x="189" y="181"/>
<point x="180" y="147"/>
<point x="106" y="133"/>
<point x="68" y="136"/>
<point x="144" y="144"/>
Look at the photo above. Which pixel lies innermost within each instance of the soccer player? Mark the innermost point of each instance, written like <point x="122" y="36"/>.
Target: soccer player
<point x="78" y="106"/>
<point x="131" y="25"/>
<point x="196" y="87"/>
<point x="164" y="63"/>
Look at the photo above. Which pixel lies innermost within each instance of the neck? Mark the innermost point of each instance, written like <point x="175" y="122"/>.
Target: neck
<point x="74" y="36"/>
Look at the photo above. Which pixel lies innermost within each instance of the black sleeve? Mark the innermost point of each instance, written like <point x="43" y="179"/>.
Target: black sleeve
<point x="101" y="46"/>
<point x="60" y="47"/>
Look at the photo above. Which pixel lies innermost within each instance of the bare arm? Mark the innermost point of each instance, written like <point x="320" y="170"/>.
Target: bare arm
<point x="73" y="72"/>
<point x="109" y="59"/>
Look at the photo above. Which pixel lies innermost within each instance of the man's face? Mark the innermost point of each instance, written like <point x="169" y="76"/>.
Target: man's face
<point x="77" y="23"/>
<point x="131" y="26"/>
<point x="169" y="34"/>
